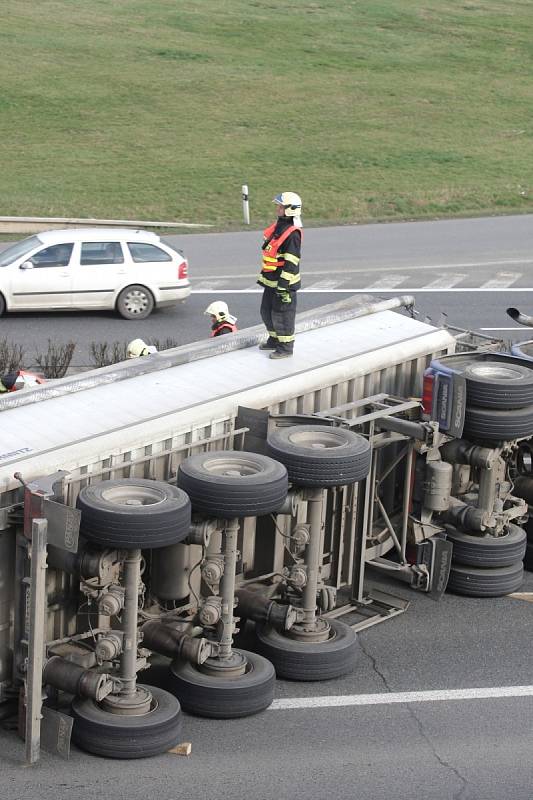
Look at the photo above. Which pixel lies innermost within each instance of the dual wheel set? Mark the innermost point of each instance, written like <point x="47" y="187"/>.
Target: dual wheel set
<point x="224" y="486"/>
<point x="499" y="409"/>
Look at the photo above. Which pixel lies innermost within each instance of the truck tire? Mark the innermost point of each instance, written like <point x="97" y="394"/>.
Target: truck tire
<point x="310" y="661"/>
<point x="132" y="513"/>
<point x="501" y="382"/>
<point x="123" y="736"/>
<point x="221" y="697"/>
<point x="135" y="302"/>
<point x="479" y="582"/>
<point x="498" y="424"/>
<point x="320" y="455"/>
<point x="484" y="550"/>
<point x="230" y="483"/>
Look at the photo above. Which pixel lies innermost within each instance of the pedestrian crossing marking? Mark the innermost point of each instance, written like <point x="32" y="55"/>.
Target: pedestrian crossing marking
<point x="445" y="281"/>
<point x="502" y="280"/>
<point x="325" y="285"/>
<point x="388" y="282"/>
<point x="209" y="286"/>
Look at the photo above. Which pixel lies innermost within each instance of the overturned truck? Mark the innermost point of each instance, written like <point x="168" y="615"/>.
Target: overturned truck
<point x="154" y="515"/>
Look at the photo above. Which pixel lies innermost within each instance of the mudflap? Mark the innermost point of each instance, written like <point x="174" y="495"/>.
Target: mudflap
<point x="435" y="554"/>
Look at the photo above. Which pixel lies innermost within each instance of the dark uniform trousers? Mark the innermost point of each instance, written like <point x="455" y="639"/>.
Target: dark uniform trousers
<point x="279" y="319"/>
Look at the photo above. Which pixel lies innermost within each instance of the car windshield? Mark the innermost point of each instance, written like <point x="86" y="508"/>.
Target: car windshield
<point x="19" y="249"/>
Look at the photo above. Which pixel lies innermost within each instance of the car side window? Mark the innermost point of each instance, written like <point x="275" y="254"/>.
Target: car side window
<point x="57" y="255"/>
<point x="141" y="252"/>
<point x="101" y="253"/>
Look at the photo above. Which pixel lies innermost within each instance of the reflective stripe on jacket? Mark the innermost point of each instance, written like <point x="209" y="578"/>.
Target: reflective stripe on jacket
<point x="280" y="269"/>
<point x="219" y="328"/>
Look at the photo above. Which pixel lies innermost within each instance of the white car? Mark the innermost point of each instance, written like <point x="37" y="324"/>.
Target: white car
<point x="131" y="271"/>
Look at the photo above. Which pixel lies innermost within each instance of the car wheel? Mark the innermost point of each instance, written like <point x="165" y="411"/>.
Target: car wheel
<point x="125" y="736"/>
<point x="320" y="455"/>
<point x="310" y="661"/>
<point x="498" y="424"/>
<point x="484" y="550"/>
<point x="479" y="582"/>
<point x="222" y="697"/>
<point x="135" y="302"/>
<point x="230" y="483"/>
<point x="2" y="305"/>
<point x="132" y="513"/>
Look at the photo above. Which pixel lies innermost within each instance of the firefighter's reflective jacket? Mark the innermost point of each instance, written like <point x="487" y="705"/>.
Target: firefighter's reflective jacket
<point x="281" y="256"/>
<point x="21" y="379"/>
<point x="222" y="327"/>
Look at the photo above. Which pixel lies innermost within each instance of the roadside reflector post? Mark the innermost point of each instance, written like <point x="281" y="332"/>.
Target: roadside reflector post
<point x="245" y="204"/>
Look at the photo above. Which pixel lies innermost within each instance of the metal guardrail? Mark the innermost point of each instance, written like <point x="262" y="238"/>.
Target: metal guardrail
<point x="36" y="224"/>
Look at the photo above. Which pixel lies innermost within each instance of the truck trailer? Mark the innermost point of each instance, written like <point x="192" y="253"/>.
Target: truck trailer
<point x="156" y="514"/>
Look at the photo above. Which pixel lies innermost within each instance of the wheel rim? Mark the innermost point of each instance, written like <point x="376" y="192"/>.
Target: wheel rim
<point x="314" y="440"/>
<point x="233" y="468"/>
<point x="495" y="371"/>
<point x="140" y="704"/>
<point x="136" y="302"/>
<point x="133" y="496"/>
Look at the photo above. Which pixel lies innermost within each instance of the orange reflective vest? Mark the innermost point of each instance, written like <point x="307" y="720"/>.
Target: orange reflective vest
<point x="273" y="261"/>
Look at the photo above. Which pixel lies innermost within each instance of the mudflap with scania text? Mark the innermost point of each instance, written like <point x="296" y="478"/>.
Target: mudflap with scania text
<point x="435" y="554"/>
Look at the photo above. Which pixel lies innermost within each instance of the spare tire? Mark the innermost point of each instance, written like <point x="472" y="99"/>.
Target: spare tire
<point x="231" y="483"/>
<point x="320" y="455"/>
<point x="492" y="380"/>
<point x="133" y="513"/>
<point x="484" y="550"/>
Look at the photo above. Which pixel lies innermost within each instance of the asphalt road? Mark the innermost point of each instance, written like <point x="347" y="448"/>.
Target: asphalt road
<point x="469" y="269"/>
<point x="465" y="747"/>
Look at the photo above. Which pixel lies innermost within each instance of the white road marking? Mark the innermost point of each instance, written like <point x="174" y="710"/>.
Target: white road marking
<point x="445" y="281"/>
<point x="228" y="291"/>
<point x="388" y="282"/>
<point x="370" y="290"/>
<point x="385" y="698"/>
<point x="502" y="280"/>
<point x="208" y="286"/>
<point x="377" y="268"/>
<point x="516" y="328"/>
<point x="326" y="285"/>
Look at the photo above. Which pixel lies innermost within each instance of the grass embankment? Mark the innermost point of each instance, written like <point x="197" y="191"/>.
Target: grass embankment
<point x="372" y="110"/>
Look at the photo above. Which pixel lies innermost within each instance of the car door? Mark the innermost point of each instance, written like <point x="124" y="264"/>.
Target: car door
<point x="96" y="273"/>
<point x="43" y="281"/>
<point x="152" y="266"/>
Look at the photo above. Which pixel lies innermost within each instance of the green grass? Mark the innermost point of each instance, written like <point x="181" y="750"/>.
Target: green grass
<point x="370" y="109"/>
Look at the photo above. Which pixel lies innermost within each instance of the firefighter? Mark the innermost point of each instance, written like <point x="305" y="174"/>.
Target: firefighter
<point x="138" y="348"/>
<point x="280" y="275"/>
<point x="21" y="379"/>
<point x="221" y="320"/>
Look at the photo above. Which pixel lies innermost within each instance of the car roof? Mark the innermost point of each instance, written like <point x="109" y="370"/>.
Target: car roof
<point x="96" y="235"/>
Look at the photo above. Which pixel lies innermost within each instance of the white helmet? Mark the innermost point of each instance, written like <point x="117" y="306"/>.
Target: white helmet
<point x="291" y="202"/>
<point x="137" y="348"/>
<point x="218" y="309"/>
